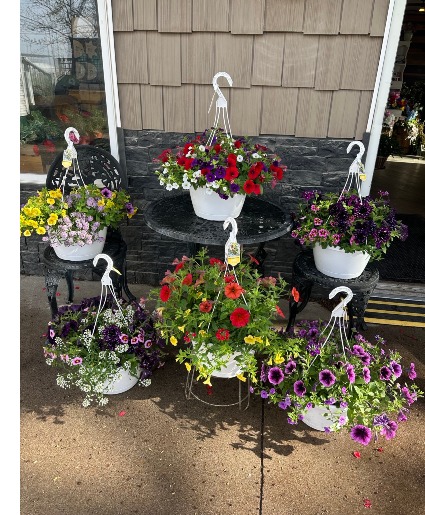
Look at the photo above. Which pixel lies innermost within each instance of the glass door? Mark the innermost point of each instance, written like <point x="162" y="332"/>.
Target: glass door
<point x="62" y="81"/>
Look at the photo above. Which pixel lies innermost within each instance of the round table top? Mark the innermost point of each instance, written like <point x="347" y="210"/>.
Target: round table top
<point x="174" y="216"/>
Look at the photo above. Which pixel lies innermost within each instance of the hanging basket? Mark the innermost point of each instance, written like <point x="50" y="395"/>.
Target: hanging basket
<point x="125" y="381"/>
<point x="84" y="252"/>
<point x="213" y="207"/>
<point x="335" y="262"/>
<point x="231" y="369"/>
<point x="323" y="416"/>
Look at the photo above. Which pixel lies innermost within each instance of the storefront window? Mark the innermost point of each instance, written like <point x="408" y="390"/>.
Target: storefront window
<point x="62" y="81"/>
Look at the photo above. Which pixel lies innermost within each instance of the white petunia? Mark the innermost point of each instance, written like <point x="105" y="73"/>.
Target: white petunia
<point x="188" y="154"/>
<point x="167" y="164"/>
<point x="255" y="155"/>
<point x="215" y="185"/>
<point x="175" y="186"/>
<point x="186" y="185"/>
<point x="201" y="148"/>
<point x="194" y="179"/>
<point x="169" y="187"/>
<point x="239" y="158"/>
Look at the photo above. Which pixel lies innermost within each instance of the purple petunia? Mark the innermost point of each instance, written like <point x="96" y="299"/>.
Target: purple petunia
<point x="234" y="188"/>
<point x="361" y="434"/>
<point x="264" y="394"/>
<point x="389" y="430"/>
<point x="291" y="366"/>
<point x="366" y="375"/>
<point x="385" y="373"/>
<point x="412" y="371"/>
<point x="285" y="403"/>
<point x="275" y="375"/>
<point x="327" y="378"/>
<point x="299" y="388"/>
<point x="106" y="193"/>
<point x="350" y="373"/>
<point x="396" y="368"/>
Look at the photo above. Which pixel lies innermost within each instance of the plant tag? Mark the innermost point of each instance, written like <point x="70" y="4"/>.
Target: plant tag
<point x="362" y="176"/>
<point x="233" y="256"/>
<point x="67" y="157"/>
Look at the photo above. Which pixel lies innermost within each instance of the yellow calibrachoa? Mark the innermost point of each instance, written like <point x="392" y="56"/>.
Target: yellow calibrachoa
<point x="278" y="359"/>
<point x="181" y="328"/>
<point x="241" y="377"/>
<point x="188" y="366"/>
<point x="249" y="339"/>
<point x="173" y="340"/>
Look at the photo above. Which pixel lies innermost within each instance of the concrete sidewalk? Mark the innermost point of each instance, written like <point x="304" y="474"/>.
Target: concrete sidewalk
<point x="167" y="455"/>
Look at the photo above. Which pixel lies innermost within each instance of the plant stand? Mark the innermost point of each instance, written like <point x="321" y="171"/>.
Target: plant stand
<point x="189" y="393"/>
<point x="305" y="275"/>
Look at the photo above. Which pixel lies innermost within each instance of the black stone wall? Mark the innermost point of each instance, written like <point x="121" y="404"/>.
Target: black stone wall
<point x="312" y="164"/>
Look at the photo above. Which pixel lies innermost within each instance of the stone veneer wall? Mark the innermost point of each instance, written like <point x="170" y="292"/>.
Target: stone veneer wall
<point x="312" y="164"/>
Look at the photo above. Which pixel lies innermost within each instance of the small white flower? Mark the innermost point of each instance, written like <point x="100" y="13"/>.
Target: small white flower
<point x="201" y="148"/>
<point x="161" y="182"/>
<point x="186" y="185"/>
<point x="197" y="174"/>
<point x="194" y="179"/>
<point x="185" y="176"/>
<point x="224" y="188"/>
<point x="169" y="187"/>
<point x="239" y="158"/>
<point x="255" y="155"/>
<point x="165" y="172"/>
<point x="188" y="154"/>
<point x="215" y="185"/>
<point x="166" y="164"/>
<point x="175" y="186"/>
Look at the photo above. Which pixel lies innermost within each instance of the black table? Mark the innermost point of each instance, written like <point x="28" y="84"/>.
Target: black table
<point x="56" y="268"/>
<point x="305" y="275"/>
<point x="259" y="221"/>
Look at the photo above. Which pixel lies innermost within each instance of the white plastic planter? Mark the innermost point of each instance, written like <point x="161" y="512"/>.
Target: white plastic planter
<point x="231" y="369"/>
<point x="337" y="263"/>
<point x="82" y="253"/>
<point x="213" y="207"/>
<point x="125" y="382"/>
<point x="316" y="419"/>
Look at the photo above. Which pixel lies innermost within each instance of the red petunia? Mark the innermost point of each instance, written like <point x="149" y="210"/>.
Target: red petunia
<point x="165" y="155"/>
<point x="238" y="144"/>
<point x="231" y="159"/>
<point x="217" y="148"/>
<point x="205" y="306"/>
<point x="187" y="280"/>
<point x="165" y="293"/>
<point x="188" y="163"/>
<point x="231" y="173"/>
<point x="280" y="312"/>
<point x="222" y="334"/>
<point x="240" y="317"/>
<point x="187" y="147"/>
<point x="295" y="294"/>
<point x="215" y="261"/>
<point x="233" y="290"/>
<point x="179" y="266"/>
<point x="277" y="172"/>
<point x="181" y="161"/>
<point x="248" y="187"/>
<point x="229" y="278"/>
<point x="253" y="172"/>
<point x="204" y="171"/>
<point x="257" y="189"/>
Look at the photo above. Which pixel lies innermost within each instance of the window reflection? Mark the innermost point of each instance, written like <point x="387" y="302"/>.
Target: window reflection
<point x="62" y="81"/>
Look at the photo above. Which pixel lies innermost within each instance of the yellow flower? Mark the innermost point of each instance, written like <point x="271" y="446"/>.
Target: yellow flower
<point x="41" y="230"/>
<point x="100" y="202"/>
<point x="258" y="339"/>
<point x="50" y="201"/>
<point x="187" y="312"/>
<point x="188" y="366"/>
<point x="27" y="233"/>
<point x="250" y="339"/>
<point x="181" y="328"/>
<point x="270" y="362"/>
<point x="208" y="381"/>
<point x="202" y="332"/>
<point x="173" y="340"/>
<point x="278" y="359"/>
<point x="241" y="377"/>
<point x="52" y="220"/>
<point x="199" y="294"/>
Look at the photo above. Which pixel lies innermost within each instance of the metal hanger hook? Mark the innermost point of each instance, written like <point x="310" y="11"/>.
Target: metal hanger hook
<point x="234" y="231"/>
<point x="341" y="289"/>
<point x="361" y="147"/>
<point x="67" y="132"/>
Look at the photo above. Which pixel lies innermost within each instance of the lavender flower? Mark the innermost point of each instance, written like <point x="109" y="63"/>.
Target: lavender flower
<point x="285" y="403"/>
<point x="361" y="434"/>
<point x="412" y="372"/>
<point x="396" y="368"/>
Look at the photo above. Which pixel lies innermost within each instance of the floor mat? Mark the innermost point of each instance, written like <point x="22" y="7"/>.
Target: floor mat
<point x="405" y="260"/>
<point x="395" y="312"/>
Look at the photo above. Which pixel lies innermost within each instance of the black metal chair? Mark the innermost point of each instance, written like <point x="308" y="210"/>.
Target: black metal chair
<point x="97" y="166"/>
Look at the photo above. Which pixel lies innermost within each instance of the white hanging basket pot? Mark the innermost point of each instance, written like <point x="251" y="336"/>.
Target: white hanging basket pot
<point x="82" y="253"/>
<point x="323" y="416"/>
<point x="335" y="262"/>
<point x="213" y="207"/>
<point x="231" y="369"/>
<point x="124" y="382"/>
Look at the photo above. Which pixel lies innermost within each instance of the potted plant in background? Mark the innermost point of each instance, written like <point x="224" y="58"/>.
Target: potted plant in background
<point x="359" y="388"/>
<point x="220" y="316"/>
<point x="346" y="230"/>
<point x="75" y="224"/>
<point x="220" y="175"/>
<point x="388" y="146"/>
<point x="103" y="353"/>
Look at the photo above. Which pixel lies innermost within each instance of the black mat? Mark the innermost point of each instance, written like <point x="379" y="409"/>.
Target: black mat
<point x="405" y="260"/>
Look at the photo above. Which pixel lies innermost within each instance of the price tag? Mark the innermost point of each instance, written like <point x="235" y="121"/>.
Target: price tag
<point x="233" y="256"/>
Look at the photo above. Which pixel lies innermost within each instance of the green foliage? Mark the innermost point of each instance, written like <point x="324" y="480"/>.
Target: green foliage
<point x="37" y="128"/>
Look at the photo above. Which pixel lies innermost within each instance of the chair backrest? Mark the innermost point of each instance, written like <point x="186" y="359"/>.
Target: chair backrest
<point x="97" y="166"/>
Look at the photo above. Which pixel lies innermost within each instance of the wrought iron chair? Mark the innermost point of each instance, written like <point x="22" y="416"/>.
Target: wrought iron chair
<point x="97" y="166"/>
